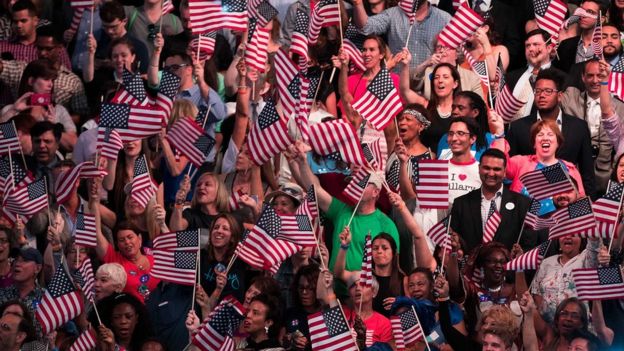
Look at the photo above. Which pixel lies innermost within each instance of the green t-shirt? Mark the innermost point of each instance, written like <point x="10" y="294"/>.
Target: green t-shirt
<point x="376" y="222"/>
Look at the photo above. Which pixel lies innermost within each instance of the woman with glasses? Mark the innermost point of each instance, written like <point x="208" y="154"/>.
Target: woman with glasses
<point x="305" y="303"/>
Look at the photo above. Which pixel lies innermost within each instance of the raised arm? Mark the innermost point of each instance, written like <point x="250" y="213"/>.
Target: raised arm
<point x="359" y="14"/>
<point x="242" y="107"/>
<point x="341" y="259"/>
<point x="423" y="255"/>
<point x="529" y="337"/>
<point x="407" y="94"/>
<point x="177" y="221"/>
<point x="94" y="201"/>
<point x="153" y="77"/>
<point x="308" y="178"/>
<point x="89" y="66"/>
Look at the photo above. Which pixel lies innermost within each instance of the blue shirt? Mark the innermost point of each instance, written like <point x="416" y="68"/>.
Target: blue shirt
<point x="548" y="205"/>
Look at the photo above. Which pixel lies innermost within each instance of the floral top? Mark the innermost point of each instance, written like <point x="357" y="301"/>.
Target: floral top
<point x="553" y="282"/>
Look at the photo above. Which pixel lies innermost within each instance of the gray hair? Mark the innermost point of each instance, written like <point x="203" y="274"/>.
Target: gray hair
<point x="116" y="273"/>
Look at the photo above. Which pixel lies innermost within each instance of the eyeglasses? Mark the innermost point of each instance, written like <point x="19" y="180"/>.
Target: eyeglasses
<point x="303" y="288"/>
<point x="546" y="92"/>
<point x="571" y="315"/>
<point x="172" y="68"/>
<point x="151" y="32"/>
<point x="460" y="133"/>
<point x="4" y="241"/>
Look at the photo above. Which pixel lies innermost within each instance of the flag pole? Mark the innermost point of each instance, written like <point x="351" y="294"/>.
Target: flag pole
<point x="318" y="87"/>
<point x="231" y="263"/>
<point x="418" y="321"/>
<point x="489" y="84"/>
<point x="92" y="12"/>
<point x="540" y="265"/>
<point x="45" y="181"/>
<point x="616" y="221"/>
<point x="20" y="146"/>
<point x="409" y="33"/>
<point x="11" y="168"/>
<point x="358" y="203"/>
<point x="162" y="6"/>
<point x="195" y="282"/>
<point x="347" y="321"/>
<point x="448" y="229"/>
<point x="318" y="243"/>
<point x="97" y="314"/>
<point x="521" y="231"/>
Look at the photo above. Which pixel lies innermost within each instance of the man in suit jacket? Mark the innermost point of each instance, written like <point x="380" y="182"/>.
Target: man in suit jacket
<point x="576" y="146"/>
<point x="471" y="211"/>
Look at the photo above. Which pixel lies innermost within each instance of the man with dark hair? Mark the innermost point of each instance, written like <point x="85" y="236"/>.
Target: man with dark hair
<point x="471" y="211"/>
<point x="14" y="332"/>
<point x="463" y="168"/>
<point x="576" y="147"/>
<point x="583" y="340"/>
<point x="114" y="24"/>
<point x="68" y="88"/>
<point x="521" y="81"/>
<point x="46" y="139"/>
<point x="579" y="48"/>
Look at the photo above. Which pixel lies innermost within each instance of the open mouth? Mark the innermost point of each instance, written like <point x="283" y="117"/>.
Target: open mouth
<point x="545" y="146"/>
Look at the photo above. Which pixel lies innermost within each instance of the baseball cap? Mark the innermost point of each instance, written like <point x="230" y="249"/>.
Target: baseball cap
<point x="291" y="190"/>
<point x="30" y="254"/>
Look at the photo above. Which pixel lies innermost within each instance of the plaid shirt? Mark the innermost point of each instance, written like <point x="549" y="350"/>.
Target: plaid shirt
<point x="394" y="23"/>
<point x="31" y="301"/>
<point x="29" y="53"/>
<point x="68" y="88"/>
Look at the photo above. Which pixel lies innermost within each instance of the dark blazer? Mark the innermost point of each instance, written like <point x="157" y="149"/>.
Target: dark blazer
<point x="466" y="220"/>
<point x="566" y="53"/>
<point x="576" y="146"/>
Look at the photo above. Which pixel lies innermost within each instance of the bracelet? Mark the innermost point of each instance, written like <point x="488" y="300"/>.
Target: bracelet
<point x="442" y="299"/>
<point x="604" y="83"/>
<point x="499" y="136"/>
<point x="345" y="247"/>
<point x="178" y="206"/>
<point x="152" y="65"/>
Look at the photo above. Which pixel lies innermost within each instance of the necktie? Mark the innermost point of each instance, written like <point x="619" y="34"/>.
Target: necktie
<point x="492" y="208"/>
<point x="534" y="76"/>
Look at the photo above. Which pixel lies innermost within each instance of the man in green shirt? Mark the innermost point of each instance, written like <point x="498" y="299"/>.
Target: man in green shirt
<point x="366" y="219"/>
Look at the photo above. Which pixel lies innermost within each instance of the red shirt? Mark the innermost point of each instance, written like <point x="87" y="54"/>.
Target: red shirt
<point x="139" y="282"/>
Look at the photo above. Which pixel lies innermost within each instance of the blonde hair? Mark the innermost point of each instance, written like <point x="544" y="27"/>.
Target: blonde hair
<point x="182" y="108"/>
<point x="222" y="200"/>
<point x="504" y="319"/>
<point x="153" y="229"/>
<point x="116" y="272"/>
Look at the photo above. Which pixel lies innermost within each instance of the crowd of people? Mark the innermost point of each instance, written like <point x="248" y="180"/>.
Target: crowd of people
<point x="375" y="254"/>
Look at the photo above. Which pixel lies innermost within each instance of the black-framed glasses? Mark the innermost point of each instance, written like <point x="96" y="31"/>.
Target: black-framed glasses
<point x="546" y="92"/>
<point x="460" y="133"/>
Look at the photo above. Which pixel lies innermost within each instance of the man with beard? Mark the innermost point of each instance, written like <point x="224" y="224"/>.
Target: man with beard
<point x="588" y="105"/>
<point x="471" y="211"/>
<point x="576" y="147"/>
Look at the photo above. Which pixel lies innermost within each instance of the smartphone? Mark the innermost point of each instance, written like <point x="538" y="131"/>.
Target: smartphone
<point x="40" y="99"/>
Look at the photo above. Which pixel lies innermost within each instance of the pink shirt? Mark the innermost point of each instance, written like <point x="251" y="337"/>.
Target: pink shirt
<point x="139" y="282"/>
<point x="521" y="164"/>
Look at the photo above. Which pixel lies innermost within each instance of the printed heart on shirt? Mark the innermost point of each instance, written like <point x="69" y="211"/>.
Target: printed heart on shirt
<point x="462" y="177"/>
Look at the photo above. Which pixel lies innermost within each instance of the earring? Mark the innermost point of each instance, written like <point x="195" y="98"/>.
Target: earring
<point x="266" y="329"/>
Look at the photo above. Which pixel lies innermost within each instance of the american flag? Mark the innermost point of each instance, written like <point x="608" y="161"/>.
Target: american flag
<point x="85" y="342"/>
<point x="616" y="79"/>
<point x="190" y="140"/>
<point x="205" y="117"/>
<point x="356" y="62"/>
<point x="256" y="52"/>
<point x="60" y="303"/>
<point x="533" y="220"/>
<point x="432" y="187"/>
<point x="143" y="187"/>
<point x="11" y="174"/>
<point x="234" y="200"/>
<point x="409" y="7"/>
<point x="131" y="122"/>
<point x="175" y="266"/>
<point x="478" y="67"/>
<point x="500" y="73"/>
<point x="337" y="137"/>
<point x="265" y="241"/>
<point x="354" y="190"/>
<point x="222" y="323"/>
<point x="66" y="181"/>
<point x="366" y="272"/>
<point x="329" y="330"/>
<point x="109" y="143"/>
<point x="299" y="39"/>
<point x="463" y="24"/>
<point x="507" y="105"/>
<point x="393" y="175"/>
<point x="77" y="17"/>
<point x="439" y="233"/>
<point x="491" y="226"/>
<point x="354" y="35"/>
<point x="8" y="138"/>
<point x="406" y="329"/>
<point x="326" y="13"/>
<point x="381" y="102"/>
<point x="204" y="45"/>
<point x="85" y="229"/>
<point x="373" y="154"/>
<point x="262" y="11"/>
<point x="528" y="260"/>
<point x="306" y="100"/>
<point x="308" y="206"/>
<point x="180" y="240"/>
<point x="298" y="229"/>
<point x="599" y="283"/>
<point x="268" y="136"/>
<point x="212" y="15"/>
<point x="87" y="279"/>
<point x="597" y="39"/>
<point x="606" y="209"/>
<point x="549" y="15"/>
<point x="169" y="86"/>
<point x="27" y="199"/>
<point x="167" y="7"/>
<point x="546" y="182"/>
<point x="133" y="92"/>
<point x="288" y="82"/>
<point x="576" y="218"/>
